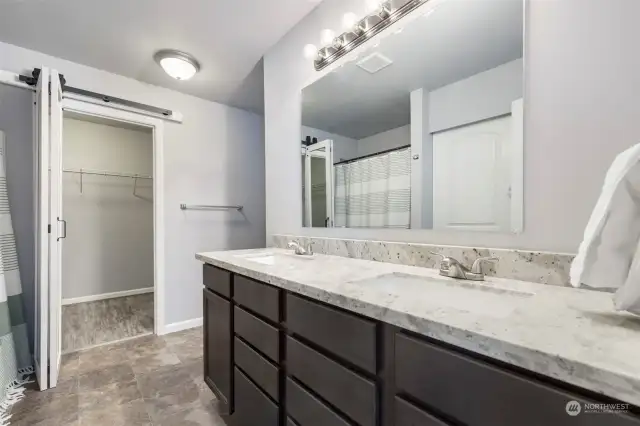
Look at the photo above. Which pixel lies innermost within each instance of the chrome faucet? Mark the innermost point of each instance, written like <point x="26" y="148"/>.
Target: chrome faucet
<point x="299" y="250"/>
<point x="450" y="267"/>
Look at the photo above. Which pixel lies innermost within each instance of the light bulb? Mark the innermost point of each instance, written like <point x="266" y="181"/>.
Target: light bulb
<point x="178" y="68"/>
<point x="310" y="51"/>
<point x="349" y="21"/>
<point x="373" y="5"/>
<point x="327" y="36"/>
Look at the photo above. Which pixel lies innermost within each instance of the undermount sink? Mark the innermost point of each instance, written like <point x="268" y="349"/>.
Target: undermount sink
<point x="273" y="258"/>
<point x="469" y="296"/>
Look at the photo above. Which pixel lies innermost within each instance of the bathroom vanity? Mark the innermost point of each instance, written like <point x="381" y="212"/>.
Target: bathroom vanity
<point x="324" y="340"/>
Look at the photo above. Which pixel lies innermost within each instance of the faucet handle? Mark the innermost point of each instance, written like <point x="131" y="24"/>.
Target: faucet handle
<point x="309" y="249"/>
<point x="438" y="254"/>
<point x="476" y="268"/>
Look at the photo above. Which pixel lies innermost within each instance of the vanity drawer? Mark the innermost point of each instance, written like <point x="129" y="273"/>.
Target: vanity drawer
<point x="261" y="371"/>
<point x="257" y="297"/>
<point x="350" y="393"/>
<point x="217" y="280"/>
<point x="258" y="333"/>
<point x="478" y="393"/>
<point x="346" y="335"/>
<point x="252" y="406"/>
<point x="409" y="415"/>
<point x="308" y="410"/>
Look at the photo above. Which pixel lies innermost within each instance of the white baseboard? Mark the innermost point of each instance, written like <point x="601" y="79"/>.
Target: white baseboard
<point x="104" y="296"/>
<point x="183" y="325"/>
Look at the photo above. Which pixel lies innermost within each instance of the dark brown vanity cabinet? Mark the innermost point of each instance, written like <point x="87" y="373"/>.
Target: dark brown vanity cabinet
<point x="257" y="353"/>
<point x="281" y="359"/>
<point x="217" y="312"/>
<point x="469" y="390"/>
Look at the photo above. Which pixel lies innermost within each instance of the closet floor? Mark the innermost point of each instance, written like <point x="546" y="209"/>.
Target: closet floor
<point x="150" y="380"/>
<point x="89" y="324"/>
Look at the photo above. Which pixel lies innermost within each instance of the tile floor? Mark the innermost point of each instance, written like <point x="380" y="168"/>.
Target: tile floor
<point x="147" y="381"/>
<point x="94" y="323"/>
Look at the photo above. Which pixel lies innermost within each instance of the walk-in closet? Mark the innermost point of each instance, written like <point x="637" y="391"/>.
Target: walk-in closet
<point x="107" y="261"/>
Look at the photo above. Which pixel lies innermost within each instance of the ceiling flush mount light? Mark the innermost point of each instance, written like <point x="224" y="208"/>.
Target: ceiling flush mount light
<point x="381" y="14"/>
<point x="177" y="64"/>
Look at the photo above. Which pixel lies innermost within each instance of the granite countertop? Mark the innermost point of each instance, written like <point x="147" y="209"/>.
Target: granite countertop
<point x="569" y="334"/>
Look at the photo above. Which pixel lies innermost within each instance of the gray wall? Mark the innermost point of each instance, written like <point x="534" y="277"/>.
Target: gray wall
<point x="581" y="80"/>
<point x="383" y="141"/>
<point x="479" y="97"/>
<point x="16" y="121"/>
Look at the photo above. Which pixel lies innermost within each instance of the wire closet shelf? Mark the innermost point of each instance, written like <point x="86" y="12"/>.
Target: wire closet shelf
<point x="83" y="172"/>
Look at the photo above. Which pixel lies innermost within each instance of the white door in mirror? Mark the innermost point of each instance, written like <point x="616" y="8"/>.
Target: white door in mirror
<point x="472" y="176"/>
<point x="318" y="185"/>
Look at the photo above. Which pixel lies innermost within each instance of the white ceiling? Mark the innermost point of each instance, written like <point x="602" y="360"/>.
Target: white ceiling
<point x="228" y="37"/>
<point x="459" y="39"/>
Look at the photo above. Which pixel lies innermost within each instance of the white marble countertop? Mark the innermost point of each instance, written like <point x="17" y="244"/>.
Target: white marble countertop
<point x="569" y="334"/>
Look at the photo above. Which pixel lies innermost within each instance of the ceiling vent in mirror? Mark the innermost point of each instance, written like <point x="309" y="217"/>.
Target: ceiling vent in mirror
<point x="374" y="63"/>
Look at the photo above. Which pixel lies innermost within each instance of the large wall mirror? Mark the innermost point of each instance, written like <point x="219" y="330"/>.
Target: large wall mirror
<point x="424" y="129"/>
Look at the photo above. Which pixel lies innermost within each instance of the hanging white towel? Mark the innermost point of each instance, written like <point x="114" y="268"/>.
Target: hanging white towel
<point x="609" y="255"/>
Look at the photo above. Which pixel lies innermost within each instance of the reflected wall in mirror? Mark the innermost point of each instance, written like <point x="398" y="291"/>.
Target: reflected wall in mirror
<point x="424" y="129"/>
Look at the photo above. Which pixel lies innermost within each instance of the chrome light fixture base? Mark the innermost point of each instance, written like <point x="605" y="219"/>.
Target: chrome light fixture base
<point x="390" y="12"/>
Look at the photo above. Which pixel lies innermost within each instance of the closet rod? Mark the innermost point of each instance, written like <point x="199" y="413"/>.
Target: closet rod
<point x="206" y="207"/>
<point x="105" y="173"/>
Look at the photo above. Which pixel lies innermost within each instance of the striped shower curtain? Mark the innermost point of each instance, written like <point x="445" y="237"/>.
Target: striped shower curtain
<point x="15" y="358"/>
<point x="374" y="192"/>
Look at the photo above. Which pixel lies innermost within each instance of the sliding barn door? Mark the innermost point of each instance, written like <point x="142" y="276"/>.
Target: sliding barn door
<point x="50" y="229"/>
<point x="59" y="230"/>
<point x="41" y="141"/>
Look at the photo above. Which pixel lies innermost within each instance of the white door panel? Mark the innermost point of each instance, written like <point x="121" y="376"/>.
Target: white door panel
<point x="58" y="231"/>
<point x="41" y="141"/>
<point x="471" y="170"/>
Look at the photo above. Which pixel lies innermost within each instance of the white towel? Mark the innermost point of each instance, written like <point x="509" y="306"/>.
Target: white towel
<point x="609" y="255"/>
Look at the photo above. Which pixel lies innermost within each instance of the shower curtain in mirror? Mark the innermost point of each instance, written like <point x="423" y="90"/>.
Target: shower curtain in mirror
<point x="15" y="358"/>
<point x="374" y="192"/>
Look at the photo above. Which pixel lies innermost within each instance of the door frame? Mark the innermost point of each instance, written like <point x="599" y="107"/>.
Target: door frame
<point x="157" y="126"/>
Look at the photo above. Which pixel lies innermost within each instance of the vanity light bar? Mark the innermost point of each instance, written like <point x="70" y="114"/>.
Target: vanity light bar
<point x="388" y="13"/>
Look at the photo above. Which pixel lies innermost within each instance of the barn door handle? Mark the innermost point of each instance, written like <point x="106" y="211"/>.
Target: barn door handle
<point x="64" y="222"/>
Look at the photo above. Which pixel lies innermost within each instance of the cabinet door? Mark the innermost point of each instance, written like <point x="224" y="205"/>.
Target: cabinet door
<point x="217" y="346"/>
